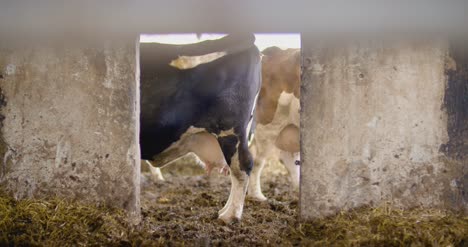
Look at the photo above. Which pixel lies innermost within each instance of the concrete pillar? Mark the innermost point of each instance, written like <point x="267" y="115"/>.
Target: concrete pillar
<point x="374" y="125"/>
<point x="70" y="122"/>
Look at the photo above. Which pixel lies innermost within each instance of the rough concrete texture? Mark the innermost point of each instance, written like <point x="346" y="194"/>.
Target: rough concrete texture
<point x="456" y="105"/>
<point x="71" y="122"/>
<point x="373" y="124"/>
<point x="456" y="101"/>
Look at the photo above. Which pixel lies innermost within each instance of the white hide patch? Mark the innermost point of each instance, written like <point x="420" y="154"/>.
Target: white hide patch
<point x="192" y="130"/>
<point x="251" y="139"/>
<point x="228" y="132"/>
<point x="188" y="62"/>
<point x="285" y="98"/>
<point x="249" y="125"/>
<point x="254" y="104"/>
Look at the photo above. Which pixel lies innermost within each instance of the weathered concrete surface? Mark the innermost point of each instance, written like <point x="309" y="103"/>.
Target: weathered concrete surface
<point x="71" y="122"/>
<point x="373" y="124"/>
<point x="456" y="102"/>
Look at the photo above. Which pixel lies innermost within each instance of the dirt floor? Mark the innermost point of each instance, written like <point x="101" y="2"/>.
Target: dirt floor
<point x="184" y="208"/>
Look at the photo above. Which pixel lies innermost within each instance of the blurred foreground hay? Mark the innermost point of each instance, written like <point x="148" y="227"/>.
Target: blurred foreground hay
<point x="387" y="226"/>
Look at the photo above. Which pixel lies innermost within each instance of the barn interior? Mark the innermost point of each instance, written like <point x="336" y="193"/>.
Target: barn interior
<point x="383" y="127"/>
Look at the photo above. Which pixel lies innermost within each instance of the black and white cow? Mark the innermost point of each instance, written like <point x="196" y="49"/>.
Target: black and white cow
<point x="218" y="97"/>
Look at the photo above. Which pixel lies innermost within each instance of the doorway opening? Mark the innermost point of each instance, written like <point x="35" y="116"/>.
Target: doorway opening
<point x="273" y="140"/>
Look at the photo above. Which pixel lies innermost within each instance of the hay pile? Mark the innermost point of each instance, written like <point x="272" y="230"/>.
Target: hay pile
<point x="386" y="226"/>
<point x="58" y="222"/>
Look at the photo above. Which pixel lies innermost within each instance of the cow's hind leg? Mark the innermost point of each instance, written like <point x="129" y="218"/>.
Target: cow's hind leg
<point x="232" y="211"/>
<point x="240" y="167"/>
<point x="255" y="189"/>
<point x="155" y="172"/>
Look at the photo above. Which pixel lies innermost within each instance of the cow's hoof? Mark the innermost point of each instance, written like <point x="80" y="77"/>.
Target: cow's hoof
<point x="228" y="219"/>
<point x="257" y="197"/>
<point x="156" y="174"/>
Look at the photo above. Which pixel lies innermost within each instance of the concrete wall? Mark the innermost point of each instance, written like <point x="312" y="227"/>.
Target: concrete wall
<point x="373" y="127"/>
<point x="70" y="122"/>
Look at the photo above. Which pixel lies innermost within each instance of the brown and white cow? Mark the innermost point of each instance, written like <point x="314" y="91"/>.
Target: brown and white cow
<point x="277" y="116"/>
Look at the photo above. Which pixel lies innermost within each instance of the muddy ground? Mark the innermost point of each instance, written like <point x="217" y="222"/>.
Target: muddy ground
<point x="182" y="211"/>
<point x="184" y="208"/>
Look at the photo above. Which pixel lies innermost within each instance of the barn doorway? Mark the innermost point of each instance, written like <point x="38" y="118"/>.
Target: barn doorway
<point x="274" y="140"/>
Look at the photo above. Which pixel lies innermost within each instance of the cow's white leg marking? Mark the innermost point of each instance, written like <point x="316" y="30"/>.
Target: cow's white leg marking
<point x="289" y="161"/>
<point x="228" y="202"/>
<point x="155" y="171"/>
<point x="232" y="211"/>
<point x="254" y="103"/>
<point x="239" y="182"/>
<point x="249" y="125"/>
<point x="255" y="189"/>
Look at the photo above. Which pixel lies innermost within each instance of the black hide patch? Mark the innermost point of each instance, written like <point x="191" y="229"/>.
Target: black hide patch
<point x="217" y="96"/>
